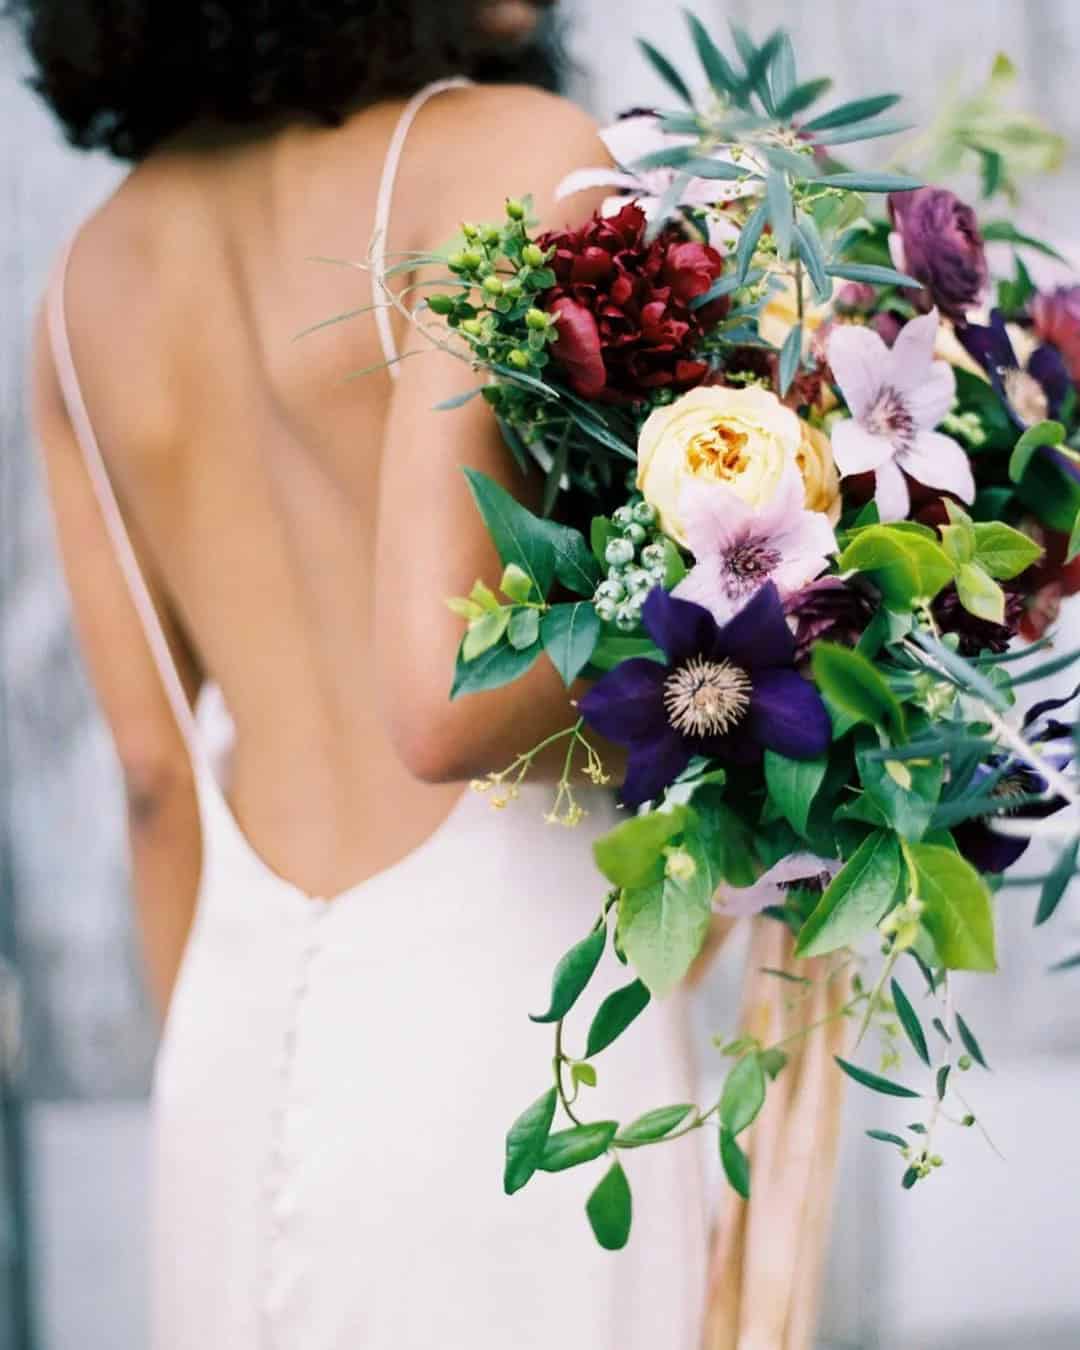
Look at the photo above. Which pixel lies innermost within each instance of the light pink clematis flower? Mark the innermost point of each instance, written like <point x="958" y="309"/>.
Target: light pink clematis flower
<point x="742" y="902"/>
<point x="897" y="396"/>
<point x="739" y="547"/>
<point x="631" y="139"/>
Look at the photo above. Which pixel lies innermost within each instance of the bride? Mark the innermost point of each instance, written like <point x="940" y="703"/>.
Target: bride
<point x="344" y="937"/>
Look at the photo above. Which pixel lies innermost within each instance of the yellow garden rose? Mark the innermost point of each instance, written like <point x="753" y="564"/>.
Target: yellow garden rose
<point x="743" y="438"/>
<point x="815" y="460"/>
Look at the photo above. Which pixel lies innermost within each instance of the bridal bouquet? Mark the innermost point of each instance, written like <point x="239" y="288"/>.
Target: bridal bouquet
<point x="809" y="471"/>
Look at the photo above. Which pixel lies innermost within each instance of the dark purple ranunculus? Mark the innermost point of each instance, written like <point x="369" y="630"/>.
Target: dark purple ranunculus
<point x="937" y="241"/>
<point x="1056" y="317"/>
<point x="723" y="691"/>
<point x="827" y="610"/>
<point x="977" y="635"/>
<point x="1030" y="395"/>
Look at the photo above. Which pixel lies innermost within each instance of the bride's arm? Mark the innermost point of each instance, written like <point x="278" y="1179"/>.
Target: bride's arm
<point x="432" y="543"/>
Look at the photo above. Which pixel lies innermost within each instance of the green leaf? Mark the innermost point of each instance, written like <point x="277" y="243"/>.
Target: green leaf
<point x="525" y="1141"/>
<point x="855" y="111"/>
<point x="484" y="633"/>
<point x="885" y="1137"/>
<point x="735" y="1163"/>
<point x="906" y="799"/>
<point x="632" y="853"/>
<point x="515" y="584"/>
<point x="666" y="71"/>
<point x="905" y="565"/>
<point x="748" y="240"/>
<point x="979" y="593"/>
<point x="524" y="629"/>
<point x="781" y="210"/>
<point x="1074" y="541"/>
<point x="572" y="974"/>
<point x="790" y="357"/>
<point x="518" y="535"/>
<point x="774" y="1061"/>
<point x="801" y="97"/>
<point x="853" y="686"/>
<point x="583" y="1073"/>
<point x="610" y="1210"/>
<point x="653" y="1125"/>
<point x="614" y="648"/>
<point x="496" y="667"/>
<point x="793" y="784"/>
<point x="808" y="246"/>
<point x="958" y="914"/>
<point x="874" y="1081"/>
<point x="570" y="634"/>
<point x="743" y="1095"/>
<point x="909" y="1020"/>
<point x="661" y="929"/>
<point x="941" y="1081"/>
<point x="870" y="272"/>
<point x="716" y="65"/>
<point x="971" y="1045"/>
<point x="856" y="899"/>
<point x="577" y="1145"/>
<point x="870" y="182"/>
<point x="575" y="566"/>
<point x="614" y="1015"/>
<point x="869" y="130"/>
<point x="1056" y="883"/>
<point x="1003" y="551"/>
<point x="1034" y="438"/>
<point x="1005" y="232"/>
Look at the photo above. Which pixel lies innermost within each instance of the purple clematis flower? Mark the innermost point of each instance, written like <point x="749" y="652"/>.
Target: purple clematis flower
<point x="722" y="691"/>
<point x="742" y="902"/>
<point x="1030" y="395"/>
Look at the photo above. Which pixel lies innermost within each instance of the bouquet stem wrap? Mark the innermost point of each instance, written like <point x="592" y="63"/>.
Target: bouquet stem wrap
<point x="769" y="1252"/>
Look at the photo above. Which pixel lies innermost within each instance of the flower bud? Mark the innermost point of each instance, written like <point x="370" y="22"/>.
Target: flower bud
<point x="515" y="208"/>
<point x="493" y="285"/>
<point x="536" y="319"/>
<point x="644" y="513"/>
<point x="473" y="258"/>
<point x="611" y="590"/>
<point x="652" y="555"/>
<point x="605" y="609"/>
<point x="626" y="619"/>
<point x="680" y="865"/>
<point x="532" y="256"/>
<point x="618" y="552"/>
<point x="440" y="304"/>
<point x="638" y="580"/>
<point x="473" y="327"/>
<point x="622" y="515"/>
<point x="519" y="359"/>
<point x="635" y="533"/>
<point x="469" y="230"/>
<point x="456" y="262"/>
<point x="964" y="1063"/>
<point x="489" y="235"/>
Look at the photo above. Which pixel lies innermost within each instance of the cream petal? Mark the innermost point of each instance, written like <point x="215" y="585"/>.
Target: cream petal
<point x="857" y="450"/>
<point x="939" y="462"/>
<point x="859" y="360"/>
<point x="582" y="180"/>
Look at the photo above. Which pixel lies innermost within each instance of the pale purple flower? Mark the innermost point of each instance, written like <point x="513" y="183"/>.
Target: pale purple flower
<point x="631" y="139"/>
<point x="897" y="396"/>
<point x="743" y="902"/>
<point x="738" y="548"/>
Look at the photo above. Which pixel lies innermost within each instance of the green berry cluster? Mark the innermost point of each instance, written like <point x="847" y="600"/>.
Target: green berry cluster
<point x="636" y="562"/>
<point x="500" y="272"/>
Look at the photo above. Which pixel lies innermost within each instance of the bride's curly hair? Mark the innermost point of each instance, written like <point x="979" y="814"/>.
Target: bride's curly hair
<point x="123" y="75"/>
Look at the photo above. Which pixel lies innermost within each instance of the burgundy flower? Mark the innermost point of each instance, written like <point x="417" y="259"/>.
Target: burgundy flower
<point x="937" y="241"/>
<point x="625" y="325"/>
<point x="1047" y="582"/>
<point x="977" y="635"/>
<point x="724" y="691"/>
<point x="1056" y="316"/>
<point x="827" y="610"/>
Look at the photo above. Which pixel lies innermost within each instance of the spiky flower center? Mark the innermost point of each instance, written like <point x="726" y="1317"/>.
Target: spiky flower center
<point x="706" y="698"/>
<point x="891" y="417"/>
<point x="1026" y="396"/>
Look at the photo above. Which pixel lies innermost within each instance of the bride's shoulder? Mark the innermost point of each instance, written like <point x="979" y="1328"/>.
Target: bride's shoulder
<point x="532" y="122"/>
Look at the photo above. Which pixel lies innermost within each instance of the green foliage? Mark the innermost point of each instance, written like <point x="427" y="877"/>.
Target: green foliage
<point x="570" y="634"/>
<point x="615" y="1014"/>
<point x="1033" y="439"/>
<point x="526" y="1140"/>
<point x="909" y="1020"/>
<point x="958" y="913"/>
<point x="572" y="974"/>
<point x="743" y="1095"/>
<point x="907" y="567"/>
<point x="662" y="926"/>
<point x="632" y="854"/>
<point x="874" y="1081"/>
<point x="610" y="1210"/>
<point x="852" y="686"/>
<point x="793" y="784"/>
<point x="856" y="900"/>
<point x="735" y="1164"/>
<point x="497" y="666"/>
<point x="580" y="1144"/>
<point x="653" y="1125"/>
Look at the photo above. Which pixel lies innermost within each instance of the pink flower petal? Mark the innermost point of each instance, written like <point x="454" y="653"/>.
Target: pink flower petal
<point x="583" y="180"/>
<point x="745" y="901"/>
<point x="912" y="353"/>
<point x="930" y="400"/>
<point x="857" y="450"/>
<point x="939" y="462"/>
<point x="891" y="492"/>
<point x="859" y="360"/>
<point x="713" y="516"/>
<point x="632" y="138"/>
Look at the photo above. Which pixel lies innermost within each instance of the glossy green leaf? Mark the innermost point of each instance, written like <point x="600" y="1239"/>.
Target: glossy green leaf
<point x="577" y="1145"/>
<point x="666" y="71"/>
<point x="801" y="98"/>
<point x="870" y="130"/>
<point x="790" y="357"/>
<point x="905" y="791"/>
<point x="1003" y="551"/>
<point x="1047" y="432"/>
<point x="484" y="633"/>
<point x="570" y="634"/>
<point x="716" y="65"/>
<point x="1056" y="884"/>
<point x="958" y="914"/>
<point x="971" y="1045"/>
<point x="654" y="1124"/>
<point x="886" y="1137"/>
<point x="525" y="1141"/>
<point x="872" y="273"/>
<point x="774" y="1061"/>
<point x="614" y="1015"/>
<point x="632" y="853"/>
<point x="515" y="584"/>
<point x="610" y="1210"/>
<point x="524" y="629"/>
<point x="662" y="927"/>
<point x="575" y="566"/>
<point x="496" y="667"/>
<point x="856" y="181"/>
<point x="907" y="567"/>
<point x="855" y="111"/>
<point x="614" y="648"/>
<point x="793" y="785"/>
<point x="518" y="535"/>
<point x="874" y="1081"/>
<point x="748" y="240"/>
<point x="735" y="1163"/>
<point x="781" y="210"/>
<point x="810" y="250"/>
<point x="743" y="1095"/>
<point x="979" y="593"/>
<point x="572" y="974"/>
<point x="909" y="1020"/>
<point x="853" y="686"/>
<point x="856" y="899"/>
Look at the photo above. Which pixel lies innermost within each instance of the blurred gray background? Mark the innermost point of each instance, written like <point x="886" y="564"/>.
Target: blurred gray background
<point x="985" y="1255"/>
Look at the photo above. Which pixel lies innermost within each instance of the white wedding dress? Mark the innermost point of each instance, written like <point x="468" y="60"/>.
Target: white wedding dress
<point x="336" y="1077"/>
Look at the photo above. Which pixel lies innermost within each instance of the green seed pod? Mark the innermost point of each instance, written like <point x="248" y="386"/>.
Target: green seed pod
<point x="473" y="327"/>
<point x="606" y="610"/>
<point x="618" y="552"/>
<point x="515" y="208"/>
<point x="964" y="1063"/>
<point x="473" y="259"/>
<point x="645" y="513"/>
<point x="469" y="230"/>
<point x="536" y="319"/>
<point x="441" y="304"/>
<point x="489" y="235"/>
<point x="622" y="515"/>
<point x="532" y="255"/>
<point x="635" y="533"/>
<point x="456" y="262"/>
<point x="519" y="359"/>
<point x="493" y="285"/>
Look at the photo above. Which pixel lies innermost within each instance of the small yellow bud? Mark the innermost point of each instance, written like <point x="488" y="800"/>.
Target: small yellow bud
<point x="536" y="319"/>
<point x="519" y="359"/>
<point x="964" y="1063"/>
<point x="469" y="230"/>
<point x="473" y="327"/>
<point x="456" y="262"/>
<point x="440" y="304"/>
<point x="473" y="258"/>
<point x="515" y="209"/>
<point x="489" y="235"/>
<point x="493" y="285"/>
<point x="532" y="255"/>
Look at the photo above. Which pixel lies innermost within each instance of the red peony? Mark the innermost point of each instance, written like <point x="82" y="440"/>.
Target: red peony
<point x="623" y="307"/>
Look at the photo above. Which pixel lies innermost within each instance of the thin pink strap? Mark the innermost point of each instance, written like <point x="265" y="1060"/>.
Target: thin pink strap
<point x="110" y="510"/>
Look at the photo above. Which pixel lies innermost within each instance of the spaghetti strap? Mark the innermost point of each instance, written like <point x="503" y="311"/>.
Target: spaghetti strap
<point x="382" y="209"/>
<point x="110" y="510"/>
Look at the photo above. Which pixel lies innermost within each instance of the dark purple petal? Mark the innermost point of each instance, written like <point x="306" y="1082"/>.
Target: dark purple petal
<point x="1048" y="367"/>
<point x="991" y="346"/>
<point x="627" y="704"/>
<point x="758" y="637"/>
<point x="654" y="765"/>
<point x="787" y="715"/>
<point x="679" y="628"/>
<point x="986" y="850"/>
<point x="1038" y="710"/>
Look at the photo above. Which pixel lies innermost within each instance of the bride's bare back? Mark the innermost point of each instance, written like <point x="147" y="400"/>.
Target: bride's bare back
<point x="300" y="530"/>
